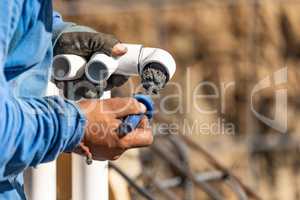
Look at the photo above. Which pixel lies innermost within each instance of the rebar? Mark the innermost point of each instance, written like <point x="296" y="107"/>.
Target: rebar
<point x="131" y="182"/>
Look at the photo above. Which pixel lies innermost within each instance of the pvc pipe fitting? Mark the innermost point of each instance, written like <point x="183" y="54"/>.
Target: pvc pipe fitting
<point x="100" y="68"/>
<point x="133" y="62"/>
<point x="159" y="56"/>
<point x="67" y="66"/>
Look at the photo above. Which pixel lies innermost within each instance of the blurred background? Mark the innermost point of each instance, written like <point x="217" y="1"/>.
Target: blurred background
<point x="243" y="143"/>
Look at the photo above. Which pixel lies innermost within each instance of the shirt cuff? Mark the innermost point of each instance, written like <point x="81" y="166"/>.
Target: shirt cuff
<point x="79" y="131"/>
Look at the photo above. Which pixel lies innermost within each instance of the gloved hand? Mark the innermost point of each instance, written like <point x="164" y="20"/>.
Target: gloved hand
<point x="101" y="141"/>
<point x="84" y="41"/>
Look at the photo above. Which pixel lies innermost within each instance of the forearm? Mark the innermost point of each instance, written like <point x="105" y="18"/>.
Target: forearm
<point x="33" y="131"/>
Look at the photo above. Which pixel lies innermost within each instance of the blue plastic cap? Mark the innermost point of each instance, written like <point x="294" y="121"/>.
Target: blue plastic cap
<point x="148" y="102"/>
<point x="132" y="121"/>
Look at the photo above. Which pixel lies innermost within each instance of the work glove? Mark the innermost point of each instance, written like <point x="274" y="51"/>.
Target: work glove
<point x="84" y="41"/>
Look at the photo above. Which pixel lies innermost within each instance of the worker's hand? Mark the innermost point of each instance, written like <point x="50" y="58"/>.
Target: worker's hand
<point x="103" y="119"/>
<point x="86" y="42"/>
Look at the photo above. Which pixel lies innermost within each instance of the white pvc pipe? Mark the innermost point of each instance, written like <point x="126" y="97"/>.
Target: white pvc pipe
<point x="155" y="55"/>
<point x="128" y="64"/>
<point x="67" y="66"/>
<point x="40" y="182"/>
<point x="89" y="182"/>
<point x="100" y="67"/>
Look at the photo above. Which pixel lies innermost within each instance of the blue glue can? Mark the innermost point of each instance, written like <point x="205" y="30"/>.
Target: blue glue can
<point x="132" y="121"/>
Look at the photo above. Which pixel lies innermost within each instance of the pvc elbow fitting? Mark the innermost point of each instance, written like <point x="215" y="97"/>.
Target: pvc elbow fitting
<point x="159" y="56"/>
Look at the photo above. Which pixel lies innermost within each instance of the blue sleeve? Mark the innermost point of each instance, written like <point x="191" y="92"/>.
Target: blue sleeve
<point x="32" y="130"/>
<point x="59" y="26"/>
<point x="57" y="19"/>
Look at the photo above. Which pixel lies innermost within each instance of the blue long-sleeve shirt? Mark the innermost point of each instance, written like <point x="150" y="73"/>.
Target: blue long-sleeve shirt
<point x="33" y="129"/>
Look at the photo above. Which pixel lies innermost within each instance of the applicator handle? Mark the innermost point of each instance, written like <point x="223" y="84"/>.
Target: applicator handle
<point x="132" y="121"/>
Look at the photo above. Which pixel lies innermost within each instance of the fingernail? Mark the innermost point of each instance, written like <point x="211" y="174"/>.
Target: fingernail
<point x="121" y="47"/>
<point x="143" y="108"/>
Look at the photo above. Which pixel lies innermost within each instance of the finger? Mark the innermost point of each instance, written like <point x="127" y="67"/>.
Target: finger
<point x="116" y="157"/>
<point x="115" y="124"/>
<point x="110" y="155"/>
<point x="144" y="123"/>
<point x="105" y="43"/>
<point x="122" y="107"/>
<point x="75" y="43"/>
<point x="119" y="50"/>
<point x="138" y="138"/>
<point x="116" y="80"/>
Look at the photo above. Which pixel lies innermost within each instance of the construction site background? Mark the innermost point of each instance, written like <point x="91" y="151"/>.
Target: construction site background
<point x="223" y="42"/>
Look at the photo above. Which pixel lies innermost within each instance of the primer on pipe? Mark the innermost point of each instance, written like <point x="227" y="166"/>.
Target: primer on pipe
<point x="40" y="182"/>
<point x="89" y="182"/>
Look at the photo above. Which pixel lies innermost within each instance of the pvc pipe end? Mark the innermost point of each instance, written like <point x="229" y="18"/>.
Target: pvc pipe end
<point x="61" y="67"/>
<point x="100" y="68"/>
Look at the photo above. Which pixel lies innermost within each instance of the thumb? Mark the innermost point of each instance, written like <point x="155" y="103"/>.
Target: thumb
<point x="119" y="50"/>
<point x="107" y="44"/>
<point x="140" y="137"/>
